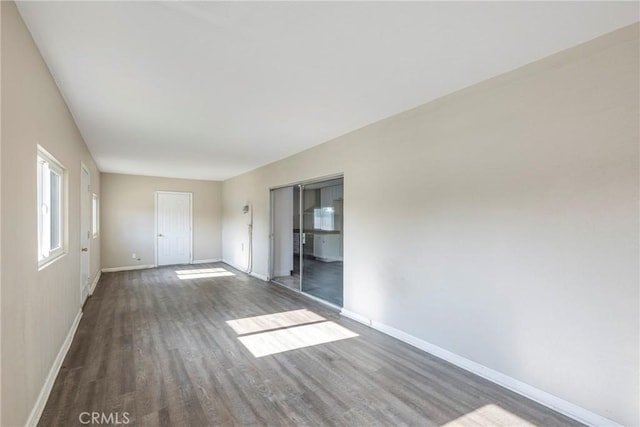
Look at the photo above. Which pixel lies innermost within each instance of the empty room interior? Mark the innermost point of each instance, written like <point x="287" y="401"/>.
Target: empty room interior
<point x="320" y="213"/>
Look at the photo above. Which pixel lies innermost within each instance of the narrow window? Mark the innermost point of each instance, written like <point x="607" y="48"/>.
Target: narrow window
<point x="95" y="222"/>
<point x="51" y="196"/>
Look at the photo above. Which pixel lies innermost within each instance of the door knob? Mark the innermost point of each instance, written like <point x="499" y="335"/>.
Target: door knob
<point x="85" y="249"/>
<point x="160" y="235"/>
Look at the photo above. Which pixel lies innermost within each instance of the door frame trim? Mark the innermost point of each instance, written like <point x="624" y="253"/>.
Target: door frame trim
<point x="310" y="181"/>
<point x="155" y="222"/>
<point x="272" y="242"/>
<point x="84" y="168"/>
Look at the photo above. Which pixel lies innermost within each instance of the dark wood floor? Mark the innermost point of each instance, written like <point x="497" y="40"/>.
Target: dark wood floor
<point x="164" y="348"/>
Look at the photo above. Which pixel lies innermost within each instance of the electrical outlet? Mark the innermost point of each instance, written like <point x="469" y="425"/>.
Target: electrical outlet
<point x="242" y="247"/>
<point x="133" y="256"/>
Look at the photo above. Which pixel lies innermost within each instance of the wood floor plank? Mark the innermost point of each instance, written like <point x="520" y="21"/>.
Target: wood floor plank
<point x="160" y="349"/>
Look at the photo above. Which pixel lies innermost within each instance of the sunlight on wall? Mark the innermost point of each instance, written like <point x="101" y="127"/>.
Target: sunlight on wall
<point x="490" y="414"/>
<point x="267" y="322"/>
<point x="281" y="340"/>
<point x="203" y="273"/>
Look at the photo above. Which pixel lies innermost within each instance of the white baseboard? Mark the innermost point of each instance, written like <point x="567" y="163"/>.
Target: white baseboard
<point x="36" y="412"/>
<point x="259" y="276"/>
<point x="243" y="269"/>
<point x="127" y="268"/>
<point x="205" y="261"/>
<point x="355" y="316"/>
<point x="237" y="267"/>
<point x="95" y="283"/>
<point x="557" y="404"/>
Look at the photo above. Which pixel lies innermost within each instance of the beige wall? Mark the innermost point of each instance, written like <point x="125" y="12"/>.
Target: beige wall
<point x="499" y="222"/>
<point x="128" y="218"/>
<point x="38" y="307"/>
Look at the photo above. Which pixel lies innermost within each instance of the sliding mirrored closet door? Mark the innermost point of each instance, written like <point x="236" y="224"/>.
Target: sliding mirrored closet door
<point x="307" y="238"/>
<point x="322" y="240"/>
<point x="285" y="236"/>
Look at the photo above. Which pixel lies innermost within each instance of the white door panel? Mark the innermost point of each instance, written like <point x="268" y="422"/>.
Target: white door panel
<point x="174" y="228"/>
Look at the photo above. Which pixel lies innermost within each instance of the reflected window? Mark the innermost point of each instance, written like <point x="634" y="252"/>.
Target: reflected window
<point x="324" y="219"/>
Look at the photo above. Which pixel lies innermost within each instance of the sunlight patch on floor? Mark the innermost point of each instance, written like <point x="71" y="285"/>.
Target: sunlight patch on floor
<point x="490" y="414"/>
<point x="203" y="273"/>
<point x="250" y="325"/>
<point x="281" y="340"/>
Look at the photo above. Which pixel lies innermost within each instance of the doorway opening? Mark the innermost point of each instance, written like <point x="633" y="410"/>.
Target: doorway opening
<point x="85" y="231"/>
<point x="307" y="238"/>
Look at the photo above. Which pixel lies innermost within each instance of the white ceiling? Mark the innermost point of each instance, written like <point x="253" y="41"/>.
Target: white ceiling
<point x="211" y="90"/>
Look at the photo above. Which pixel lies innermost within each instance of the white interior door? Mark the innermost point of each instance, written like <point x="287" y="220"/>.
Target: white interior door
<point x="85" y="232"/>
<point x="173" y="216"/>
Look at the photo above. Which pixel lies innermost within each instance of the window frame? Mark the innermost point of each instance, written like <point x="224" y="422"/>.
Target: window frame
<point x="95" y="216"/>
<point x="46" y="165"/>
